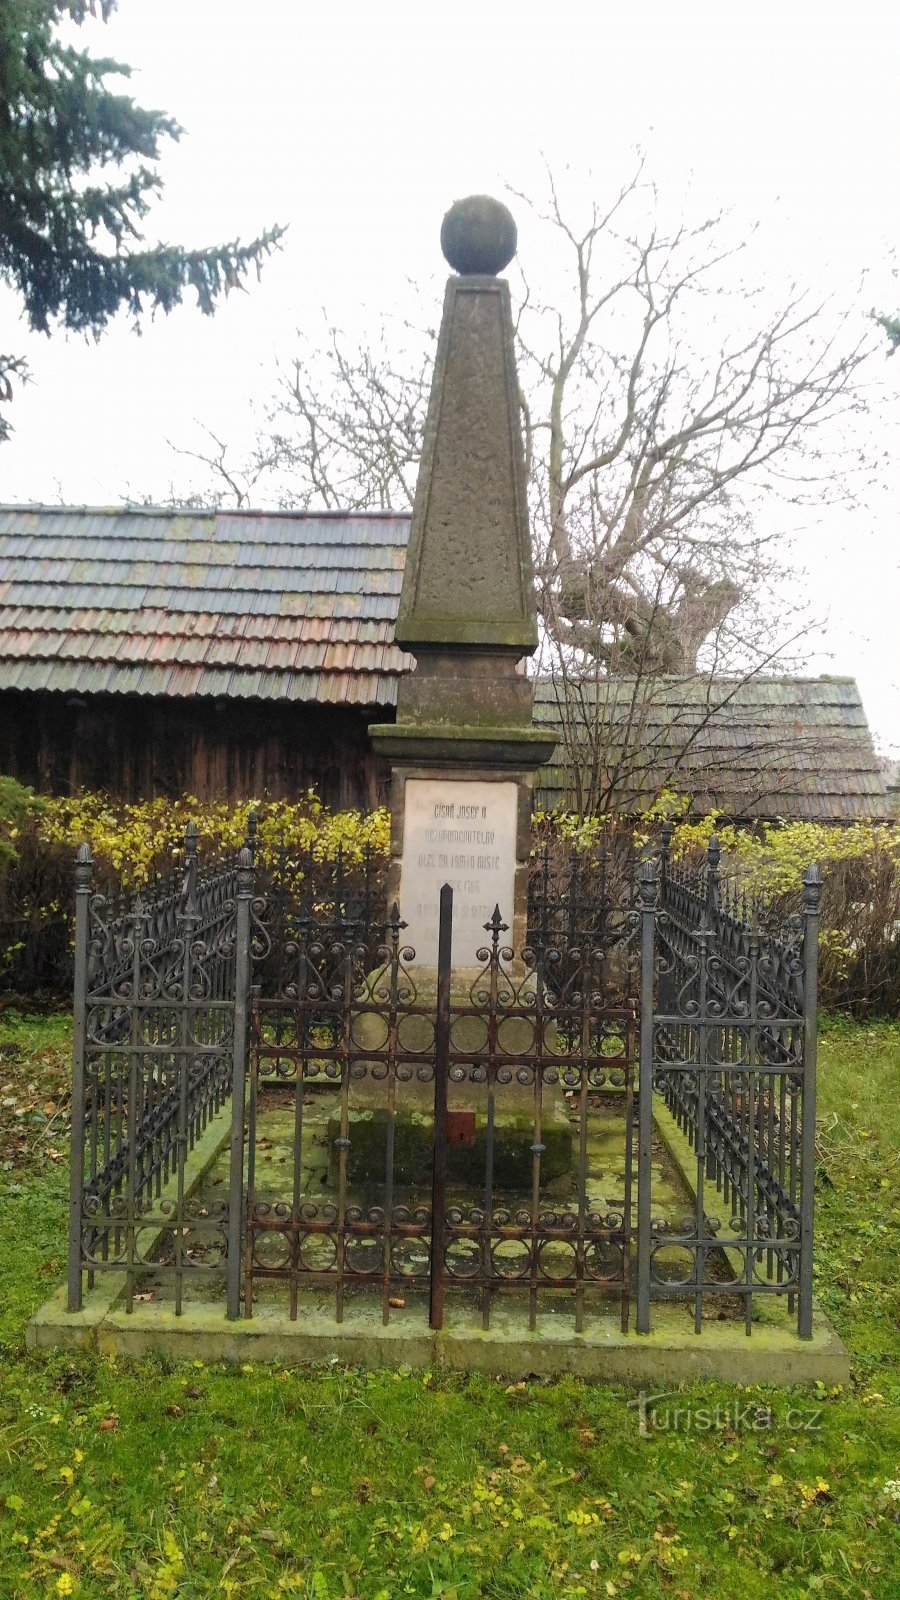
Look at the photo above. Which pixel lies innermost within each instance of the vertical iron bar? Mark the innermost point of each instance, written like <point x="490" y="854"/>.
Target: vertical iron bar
<point x="537" y="1150"/>
<point x="190" y="924"/>
<point x="135" y="1064"/>
<point x="770" y="1163"/>
<point x="491" y="1063"/>
<point x="781" y="1169"/>
<point x="645" y="1093"/>
<point x="587" y="1019"/>
<point x="251" y="840"/>
<point x="794" y="1048"/>
<point x="117" y="1137"/>
<point x="713" y="883"/>
<point x="249" y="1232"/>
<point x="441" y="1071"/>
<point x="812" y="893"/>
<point x="189" y="880"/>
<point x="389" y="1155"/>
<point x="343" y="1140"/>
<point x="301" y="1064"/>
<point x="750" y="1123"/>
<point x="84" y="868"/>
<point x="391" y="1131"/>
<point x="627" y="1218"/>
<point x="106" y="1146"/>
<point x="668" y="828"/>
<point x="393" y="1050"/>
<point x="487" y="1227"/>
<point x="244" y="894"/>
<point x="702" y="1130"/>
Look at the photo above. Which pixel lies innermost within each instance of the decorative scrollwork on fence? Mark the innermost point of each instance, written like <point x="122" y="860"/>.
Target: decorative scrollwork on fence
<point x="730" y="1059"/>
<point x="304" y="985"/>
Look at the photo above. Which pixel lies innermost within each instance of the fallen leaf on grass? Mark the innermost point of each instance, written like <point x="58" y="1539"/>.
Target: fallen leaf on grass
<point x="108" y="1425"/>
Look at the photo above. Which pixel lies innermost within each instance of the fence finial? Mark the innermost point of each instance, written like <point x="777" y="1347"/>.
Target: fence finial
<point x="812" y="887"/>
<point x="245" y="870"/>
<point x="665" y="854"/>
<point x="189" y="882"/>
<point x="647" y="883"/>
<point x="252" y="825"/>
<point x="713" y="881"/>
<point x="84" y="866"/>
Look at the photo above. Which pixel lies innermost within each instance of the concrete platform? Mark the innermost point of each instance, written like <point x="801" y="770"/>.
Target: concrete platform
<point x="671" y="1354"/>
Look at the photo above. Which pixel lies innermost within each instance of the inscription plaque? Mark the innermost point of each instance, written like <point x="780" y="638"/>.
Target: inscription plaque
<point x="462" y="833"/>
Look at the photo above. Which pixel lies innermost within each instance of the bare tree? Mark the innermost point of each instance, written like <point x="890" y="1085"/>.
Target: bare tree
<point x="343" y="430"/>
<point x="662" y="412"/>
<point x="348" y="423"/>
<point x="228" y="482"/>
<point x="626" y="740"/>
<point x="663" y="402"/>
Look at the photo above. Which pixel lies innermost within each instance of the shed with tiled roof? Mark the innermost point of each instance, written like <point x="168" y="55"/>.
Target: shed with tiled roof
<point x="761" y="747"/>
<point x="229" y="653"/>
<point x="216" y="652"/>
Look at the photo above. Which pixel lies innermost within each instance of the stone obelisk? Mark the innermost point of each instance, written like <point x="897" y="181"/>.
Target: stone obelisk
<point x="464" y="749"/>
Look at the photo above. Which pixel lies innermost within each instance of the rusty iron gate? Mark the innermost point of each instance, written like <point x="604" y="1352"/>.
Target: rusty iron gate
<point x="456" y="1140"/>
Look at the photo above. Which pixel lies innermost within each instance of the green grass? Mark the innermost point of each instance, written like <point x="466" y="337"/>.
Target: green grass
<point x="150" y="1481"/>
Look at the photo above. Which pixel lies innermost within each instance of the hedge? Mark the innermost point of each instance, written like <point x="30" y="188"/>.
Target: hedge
<point x="135" y="844"/>
<point x="133" y="847"/>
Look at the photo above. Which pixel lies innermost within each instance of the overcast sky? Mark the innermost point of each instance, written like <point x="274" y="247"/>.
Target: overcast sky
<point x="357" y="124"/>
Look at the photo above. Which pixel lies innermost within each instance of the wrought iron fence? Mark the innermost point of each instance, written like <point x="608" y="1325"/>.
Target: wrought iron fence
<point x="579" y="897"/>
<point x="437" y="1145"/>
<point x="154" y="1030"/>
<point x="729" y="1042"/>
<point x="453" y="1157"/>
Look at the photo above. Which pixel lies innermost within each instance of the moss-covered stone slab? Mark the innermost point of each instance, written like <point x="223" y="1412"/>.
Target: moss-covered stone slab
<point x="466" y="1150"/>
<point x="671" y="1354"/>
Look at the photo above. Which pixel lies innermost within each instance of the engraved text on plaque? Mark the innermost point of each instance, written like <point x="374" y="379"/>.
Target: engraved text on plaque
<point x="462" y="833"/>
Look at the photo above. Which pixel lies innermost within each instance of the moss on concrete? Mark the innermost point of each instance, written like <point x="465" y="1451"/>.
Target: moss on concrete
<point x="466" y="1162"/>
<point x="670" y="1353"/>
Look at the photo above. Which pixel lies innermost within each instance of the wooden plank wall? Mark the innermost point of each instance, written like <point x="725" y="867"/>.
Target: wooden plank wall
<point x="138" y="749"/>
